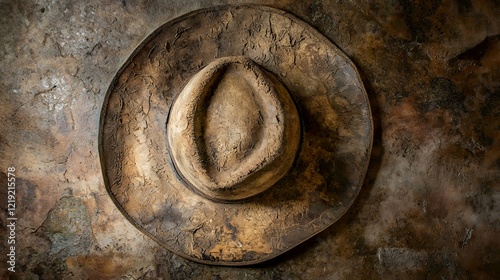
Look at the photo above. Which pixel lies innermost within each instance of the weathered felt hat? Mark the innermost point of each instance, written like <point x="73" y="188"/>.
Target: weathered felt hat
<point x="233" y="134"/>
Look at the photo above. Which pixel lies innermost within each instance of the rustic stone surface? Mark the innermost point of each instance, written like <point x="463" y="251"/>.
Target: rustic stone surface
<point x="428" y="207"/>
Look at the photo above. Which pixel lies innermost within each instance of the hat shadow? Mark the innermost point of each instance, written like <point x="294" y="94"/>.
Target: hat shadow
<point x="304" y="249"/>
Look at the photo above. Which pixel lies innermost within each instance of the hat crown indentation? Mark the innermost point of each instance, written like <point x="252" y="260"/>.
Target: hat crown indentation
<point x="232" y="125"/>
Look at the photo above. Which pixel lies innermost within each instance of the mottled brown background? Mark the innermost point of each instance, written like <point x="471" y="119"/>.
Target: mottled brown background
<point x="429" y="207"/>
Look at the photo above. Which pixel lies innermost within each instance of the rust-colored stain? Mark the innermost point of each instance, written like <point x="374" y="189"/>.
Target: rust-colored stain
<point x="106" y="267"/>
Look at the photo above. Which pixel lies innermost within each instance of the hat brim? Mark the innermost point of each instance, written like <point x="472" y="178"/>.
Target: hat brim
<point x="330" y="167"/>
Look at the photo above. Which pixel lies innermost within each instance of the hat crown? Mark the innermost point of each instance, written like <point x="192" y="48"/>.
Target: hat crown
<point x="233" y="131"/>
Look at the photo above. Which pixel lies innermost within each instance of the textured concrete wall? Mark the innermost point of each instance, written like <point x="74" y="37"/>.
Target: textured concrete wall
<point x="428" y="208"/>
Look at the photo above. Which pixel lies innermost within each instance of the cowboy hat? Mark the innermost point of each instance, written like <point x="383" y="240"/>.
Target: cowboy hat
<point x="233" y="134"/>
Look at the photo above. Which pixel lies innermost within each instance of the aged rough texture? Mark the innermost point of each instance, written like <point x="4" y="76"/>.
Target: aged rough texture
<point x="429" y="205"/>
<point x="233" y="131"/>
<point x="331" y="161"/>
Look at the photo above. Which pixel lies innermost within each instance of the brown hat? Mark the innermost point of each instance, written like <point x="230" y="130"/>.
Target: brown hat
<point x="233" y="134"/>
